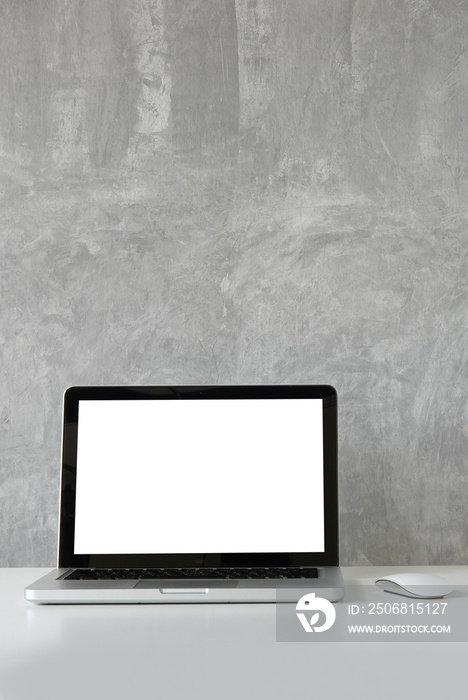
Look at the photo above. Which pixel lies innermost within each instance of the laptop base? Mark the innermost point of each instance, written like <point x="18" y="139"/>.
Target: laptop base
<point x="52" y="589"/>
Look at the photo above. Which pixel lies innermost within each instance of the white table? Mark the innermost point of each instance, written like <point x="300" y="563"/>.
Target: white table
<point x="206" y="651"/>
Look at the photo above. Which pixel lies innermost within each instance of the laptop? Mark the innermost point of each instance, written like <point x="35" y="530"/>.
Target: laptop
<point x="196" y="494"/>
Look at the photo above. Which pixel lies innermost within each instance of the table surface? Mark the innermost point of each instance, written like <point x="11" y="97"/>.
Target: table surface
<point x="207" y="651"/>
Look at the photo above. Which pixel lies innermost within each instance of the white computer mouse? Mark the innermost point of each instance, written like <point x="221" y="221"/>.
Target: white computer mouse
<point x="415" y="585"/>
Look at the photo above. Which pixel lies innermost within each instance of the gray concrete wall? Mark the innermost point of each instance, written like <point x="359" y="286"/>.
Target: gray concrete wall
<point x="242" y="191"/>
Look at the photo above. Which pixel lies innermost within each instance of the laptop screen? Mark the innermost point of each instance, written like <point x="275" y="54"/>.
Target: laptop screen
<point x="182" y="476"/>
<point x="199" y="476"/>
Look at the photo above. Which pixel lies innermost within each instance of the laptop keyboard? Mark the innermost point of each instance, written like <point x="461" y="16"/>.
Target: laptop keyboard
<point x="294" y="572"/>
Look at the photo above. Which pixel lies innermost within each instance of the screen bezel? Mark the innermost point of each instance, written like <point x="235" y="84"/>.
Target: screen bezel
<point x="67" y="557"/>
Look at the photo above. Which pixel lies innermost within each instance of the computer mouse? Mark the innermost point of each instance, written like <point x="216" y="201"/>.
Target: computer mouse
<point x="415" y="585"/>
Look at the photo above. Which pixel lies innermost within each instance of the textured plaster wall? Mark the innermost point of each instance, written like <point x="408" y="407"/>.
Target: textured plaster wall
<point x="242" y="191"/>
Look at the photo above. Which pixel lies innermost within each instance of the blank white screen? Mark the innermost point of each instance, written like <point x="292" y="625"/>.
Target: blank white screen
<point x="209" y="476"/>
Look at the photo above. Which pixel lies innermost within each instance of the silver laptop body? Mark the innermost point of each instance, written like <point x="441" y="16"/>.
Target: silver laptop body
<point x="196" y="494"/>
